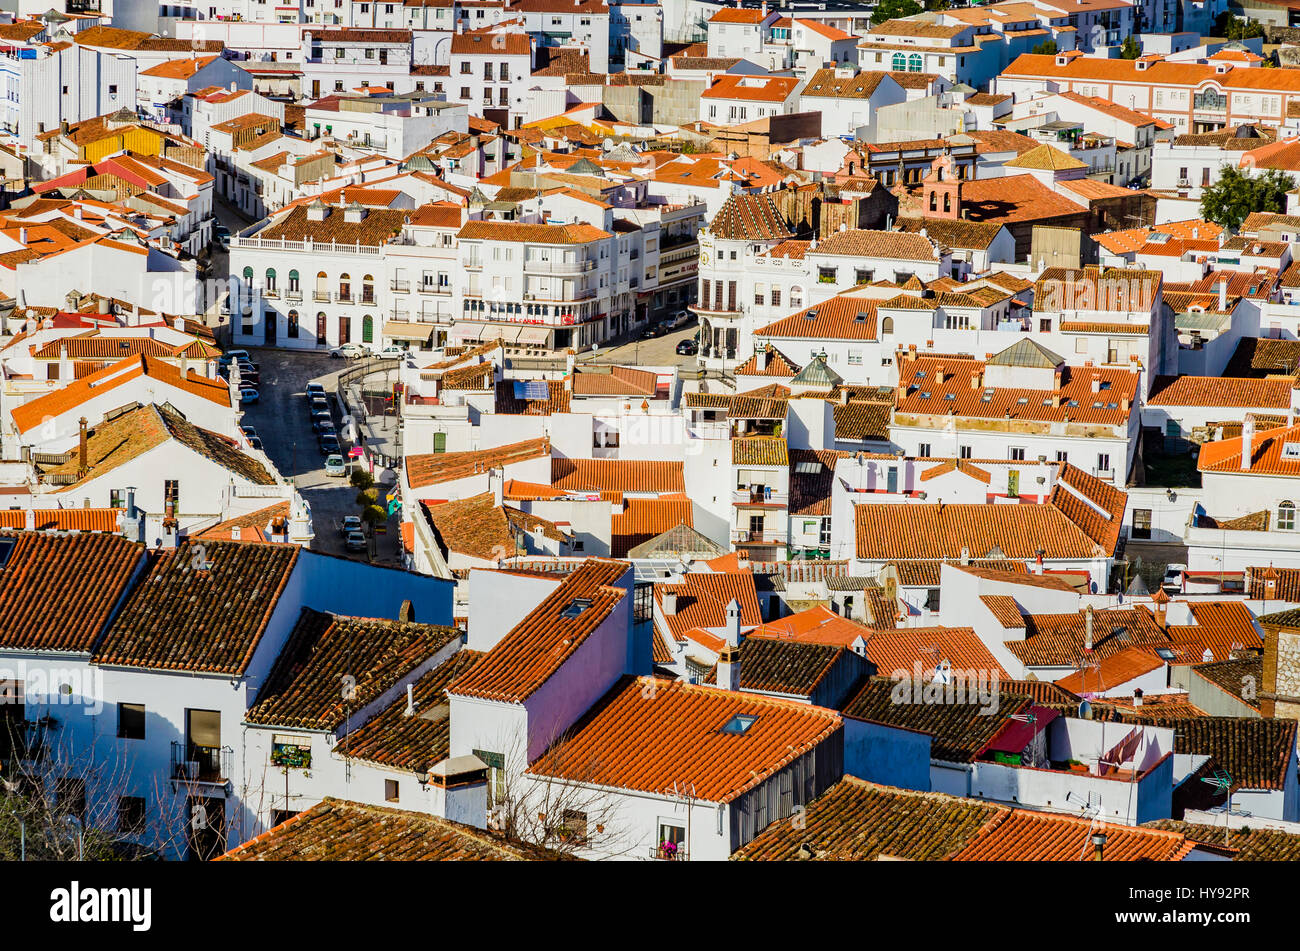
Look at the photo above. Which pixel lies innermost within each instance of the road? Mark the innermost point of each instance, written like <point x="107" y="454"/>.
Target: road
<point x="658" y="352"/>
<point x="282" y="423"/>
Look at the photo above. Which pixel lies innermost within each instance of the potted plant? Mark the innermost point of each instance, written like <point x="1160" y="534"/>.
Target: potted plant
<point x="668" y="850"/>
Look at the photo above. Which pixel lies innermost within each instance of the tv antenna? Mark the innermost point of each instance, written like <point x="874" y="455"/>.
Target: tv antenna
<point x="1221" y="780"/>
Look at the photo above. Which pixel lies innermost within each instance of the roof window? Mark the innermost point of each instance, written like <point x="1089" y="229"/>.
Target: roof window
<point x="575" y="607"/>
<point x="6" y="550"/>
<point x="739" y="724"/>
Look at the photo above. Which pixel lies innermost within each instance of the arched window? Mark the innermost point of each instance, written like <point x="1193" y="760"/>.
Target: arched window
<point x="914" y="63"/>
<point x="796" y="296"/>
<point x="934" y="206"/>
<point x="345" y="288"/>
<point x="320" y="329"/>
<point x="322" y="287"/>
<point x="1286" y="517"/>
<point x="270" y="280"/>
<point x="947" y="202"/>
<point x="293" y="282"/>
<point x="367" y="329"/>
<point x="293" y="324"/>
<point x="899" y="62"/>
<point x="367" y="290"/>
<point x="887" y="325"/>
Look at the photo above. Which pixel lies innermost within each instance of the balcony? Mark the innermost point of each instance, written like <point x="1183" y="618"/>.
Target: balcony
<point x="559" y="267"/>
<point x="293" y="294"/>
<point x="199" y="764"/>
<point x="322" y="297"/>
<point x="400" y="286"/>
<point x="442" y="290"/>
<point x="744" y="497"/>
<point x="661" y="854"/>
<point x="745" y="536"/>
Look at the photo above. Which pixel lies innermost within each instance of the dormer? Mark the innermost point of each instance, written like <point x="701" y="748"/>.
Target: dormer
<point x="317" y="211"/>
<point x="355" y="213"/>
<point x="1222" y="68"/>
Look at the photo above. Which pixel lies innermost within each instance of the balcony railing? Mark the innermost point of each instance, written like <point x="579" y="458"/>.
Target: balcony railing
<point x="559" y="267"/>
<point x="402" y="286"/>
<point x="321" y="296"/>
<point x="744" y="536"/>
<point x="745" y="497"/>
<point x="192" y="762"/>
<point x="440" y="289"/>
<point x="665" y="855"/>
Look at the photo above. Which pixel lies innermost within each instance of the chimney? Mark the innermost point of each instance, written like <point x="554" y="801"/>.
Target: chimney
<point x="1096" y="382"/>
<point x="844" y="395"/>
<point x="1247" y="442"/>
<point x="668" y="603"/>
<point x="65" y="364"/>
<point x="1223" y="295"/>
<point x="975" y="380"/>
<point x="30" y="521"/>
<point x="1137" y="697"/>
<point x="1161" y="602"/>
<point x="760" y="359"/>
<point x="729" y="658"/>
<point x="105" y="305"/>
<point x="1087" y="628"/>
<point x="82" y="465"/>
<point x="22" y="237"/>
<point x="1056" y="379"/>
<point x="406" y="613"/>
<point x="938" y="374"/>
<point x="410" y="701"/>
<point x="497" y="477"/>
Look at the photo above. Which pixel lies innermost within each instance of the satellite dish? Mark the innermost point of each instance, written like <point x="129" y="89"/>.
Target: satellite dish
<point x="608" y="145"/>
<point x="1085" y="710"/>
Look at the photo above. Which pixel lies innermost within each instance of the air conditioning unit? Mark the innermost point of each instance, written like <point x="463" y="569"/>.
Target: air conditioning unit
<point x="1184" y="183"/>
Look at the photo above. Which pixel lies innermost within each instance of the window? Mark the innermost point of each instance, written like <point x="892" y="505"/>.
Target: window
<point x="439" y="442"/>
<point x="116" y="499"/>
<point x="1286" y="517"/>
<point x="1013" y="483"/>
<point x="776" y="297"/>
<point x="914" y="63"/>
<point x="1103" y="462"/>
<point x="293" y="324"/>
<point x="1062" y="456"/>
<point x="573" y="826"/>
<point x="464" y="92"/>
<point x="923" y="450"/>
<point x="863" y="276"/>
<point x="172" y="493"/>
<point x="899" y="62"/>
<point x="1018" y="455"/>
<point x="496" y="764"/>
<point x="390" y="790"/>
<point x="112" y="90"/>
<point x="130" y="721"/>
<point x="964" y="452"/>
<point x="739" y="724"/>
<point x="1141" y="523"/>
<point x="130" y="814"/>
<point x="672" y="840"/>
<point x="826" y="275"/>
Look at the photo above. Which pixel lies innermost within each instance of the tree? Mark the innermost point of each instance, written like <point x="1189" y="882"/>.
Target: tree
<point x="374" y="514"/>
<point x="361" y="479"/>
<point x="895" y="9"/>
<point x="1047" y="48"/>
<point x="1130" y="49"/>
<point x="1232" y="27"/>
<point x="1235" y="195"/>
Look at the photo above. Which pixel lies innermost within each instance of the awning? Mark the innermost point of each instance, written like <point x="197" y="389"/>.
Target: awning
<point x="471" y="333"/>
<point x="408" y="330"/>
<point x="535" y="335"/>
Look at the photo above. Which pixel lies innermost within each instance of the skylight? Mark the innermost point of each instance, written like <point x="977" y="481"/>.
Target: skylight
<point x="6" y="550"/>
<point x="575" y="607"/>
<point x="739" y="724"/>
<point x="807" y="468"/>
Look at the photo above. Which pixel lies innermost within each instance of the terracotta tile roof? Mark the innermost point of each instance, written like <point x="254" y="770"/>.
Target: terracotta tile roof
<point x="32" y="413"/>
<point x="1255" y="752"/>
<point x="702" y="599"/>
<point x="957" y="465"/>
<point x="759" y="451"/>
<point x="777" y="364"/>
<point x="1025" y="836"/>
<point x="844" y="317"/>
<point x="1094" y="506"/>
<point x="57" y="592"/>
<point x="93" y="345"/>
<point x="746" y="217"/>
<point x="859" y="420"/>
<point x="810" y="491"/>
<point x="891" y="245"/>
<point x="377" y="227"/>
<point x="1220" y="391"/>
<point x="255" y="527"/>
<point x="889" y="531"/>
<point x="959" y="731"/>
<point x="536" y="647"/>
<point x="498" y="43"/>
<point x="922" y="391"/>
<point x="626" y="743"/>
<point x="619" y="381"/>
<point x="1259" y="357"/>
<point x="617" y="475"/>
<point x="1001" y="574"/>
<point x="1157" y="74"/>
<point x="558" y="400"/>
<point x="178" y="68"/>
<point x="478" y="527"/>
<point x="302" y="689"/>
<point x="1015" y="198"/>
<point x="1265" y="454"/>
<point x="579" y="233"/>
<point x="926" y="573"/>
<point x="1056" y="640"/>
<point x="1004" y="609"/>
<point x="954" y="234"/>
<point x="859" y="821"/>
<point x="63" y="520"/>
<point x="418" y="742"/>
<point x="336" y="830"/>
<point x="644" y="519"/>
<point x="118" y="441"/>
<point x="203" y="619"/>
<point x="1286" y="584"/>
<point x="1248" y="845"/>
<point x="901" y="648"/>
<point x="816" y="625"/>
<point x="792" y="668"/>
<point x="825" y="84"/>
<point x="1224" y="628"/>
<point x="1113" y="671"/>
<point x="737" y="15"/>
<point x="1131" y="239"/>
<point x="1231" y="676"/>
<point x="438" y="467"/>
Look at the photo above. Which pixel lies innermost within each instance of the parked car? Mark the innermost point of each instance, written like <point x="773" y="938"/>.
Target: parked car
<point x="314" y="390"/>
<point x="317" y="405"/>
<point x="391" y="352"/>
<point x="681" y="318"/>
<point x="334" y="466"/>
<point x="1173" y="576"/>
<point x="356" y="541"/>
<point x="249" y="431"/>
<point x="329" y="444"/>
<point x="351" y="523"/>
<point x="236" y="355"/>
<point x="349" y="351"/>
<point x="221" y="234"/>
<point x="688" y="348"/>
<point x="248" y="395"/>
<point x="322" y="426"/>
<point x="254" y="443"/>
<point x="650" y="331"/>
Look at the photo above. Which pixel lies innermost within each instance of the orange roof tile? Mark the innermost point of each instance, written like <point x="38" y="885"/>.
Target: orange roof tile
<point x="702" y="599"/>
<point x="617" y="475"/>
<point x="643" y="519"/>
<point x="1022" y="835"/>
<point x="626" y="742"/>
